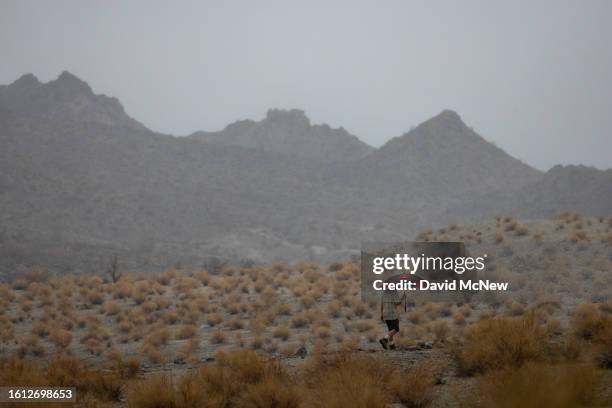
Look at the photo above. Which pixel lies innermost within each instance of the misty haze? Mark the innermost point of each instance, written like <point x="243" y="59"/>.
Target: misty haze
<point x="186" y="192"/>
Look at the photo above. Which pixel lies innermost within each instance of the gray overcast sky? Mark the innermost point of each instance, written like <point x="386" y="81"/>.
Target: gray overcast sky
<point x="535" y="77"/>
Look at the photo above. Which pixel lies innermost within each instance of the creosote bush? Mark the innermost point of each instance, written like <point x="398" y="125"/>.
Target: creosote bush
<point x="501" y="342"/>
<point x="541" y="385"/>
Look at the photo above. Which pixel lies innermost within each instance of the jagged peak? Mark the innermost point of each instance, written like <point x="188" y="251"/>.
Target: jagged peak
<point x="575" y="168"/>
<point x="66" y="97"/>
<point x="450" y="114"/>
<point x="69" y="80"/>
<point x="448" y="117"/>
<point x="296" y="116"/>
<point x="26" y="80"/>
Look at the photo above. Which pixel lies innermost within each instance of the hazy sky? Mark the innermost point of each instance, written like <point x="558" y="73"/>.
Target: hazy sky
<point x="535" y="77"/>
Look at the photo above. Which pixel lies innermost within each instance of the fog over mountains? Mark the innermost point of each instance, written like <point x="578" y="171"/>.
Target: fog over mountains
<point x="80" y="181"/>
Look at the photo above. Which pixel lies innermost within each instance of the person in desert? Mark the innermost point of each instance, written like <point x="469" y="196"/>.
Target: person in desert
<point x="390" y="305"/>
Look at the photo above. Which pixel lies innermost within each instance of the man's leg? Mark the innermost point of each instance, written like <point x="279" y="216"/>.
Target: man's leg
<point x="393" y="332"/>
<point x="393" y="327"/>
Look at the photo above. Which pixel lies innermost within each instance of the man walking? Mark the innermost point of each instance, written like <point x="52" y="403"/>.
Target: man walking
<point x="389" y="304"/>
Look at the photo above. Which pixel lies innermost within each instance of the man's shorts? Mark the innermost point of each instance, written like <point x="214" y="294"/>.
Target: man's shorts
<point x="393" y="324"/>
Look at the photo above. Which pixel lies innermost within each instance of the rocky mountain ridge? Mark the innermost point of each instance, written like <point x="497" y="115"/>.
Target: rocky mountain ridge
<point x="80" y="180"/>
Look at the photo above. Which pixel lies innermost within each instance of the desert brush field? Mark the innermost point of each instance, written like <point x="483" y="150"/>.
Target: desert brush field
<point x="293" y="335"/>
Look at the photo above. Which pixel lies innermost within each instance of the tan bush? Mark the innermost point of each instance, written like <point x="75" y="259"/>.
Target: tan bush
<point x="213" y="319"/>
<point x="322" y="332"/>
<point x="91" y="384"/>
<point x="111" y="308"/>
<point x="218" y="337"/>
<point x="307" y="302"/>
<point x="440" y="330"/>
<point x="588" y="322"/>
<point x="152" y="392"/>
<point x="336" y="379"/>
<point x="41" y="329"/>
<point x="501" y="342"/>
<point x="60" y="337"/>
<point x="125" y="327"/>
<point x="414" y="387"/>
<point x="158" y="337"/>
<point x="187" y="351"/>
<point x="299" y="320"/>
<point x="257" y="342"/>
<point x="153" y="354"/>
<point x="284" y="309"/>
<point x="281" y="332"/>
<point x="499" y="238"/>
<point x="171" y="317"/>
<point x="540" y="385"/>
<point x="186" y="331"/>
<point x="29" y="345"/>
<point x="236" y="324"/>
<point x="94" y="297"/>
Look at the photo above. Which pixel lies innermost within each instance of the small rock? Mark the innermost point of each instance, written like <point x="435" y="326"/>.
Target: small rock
<point x="301" y="352"/>
<point x="427" y="345"/>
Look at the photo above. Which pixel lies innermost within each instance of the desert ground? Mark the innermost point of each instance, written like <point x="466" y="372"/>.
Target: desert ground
<point x="292" y="335"/>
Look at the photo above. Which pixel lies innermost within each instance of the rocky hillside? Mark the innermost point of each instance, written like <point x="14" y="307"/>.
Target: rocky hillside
<point x="289" y="132"/>
<point x="66" y="99"/>
<point x="80" y="181"/>
<point x="583" y="189"/>
<point x="440" y="163"/>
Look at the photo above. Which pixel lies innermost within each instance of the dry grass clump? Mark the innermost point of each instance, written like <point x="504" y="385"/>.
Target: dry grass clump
<point x="539" y="385"/>
<point x="61" y="338"/>
<point x="589" y="323"/>
<point x="578" y="236"/>
<point x="94" y="297"/>
<point x="416" y="316"/>
<point x="152" y="353"/>
<point x="218" y="337"/>
<point x="213" y="319"/>
<point x="284" y="309"/>
<point x="334" y="308"/>
<point x="236" y="324"/>
<point x="595" y="326"/>
<point x="341" y="378"/>
<point x="281" y="332"/>
<point x="187" y="352"/>
<point x="100" y="385"/>
<point x="171" y="317"/>
<point x="359" y="308"/>
<point x="241" y="378"/>
<point x="299" y="320"/>
<point x="459" y="319"/>
<point x="440" y="330"/>
<point x="514" y="308"/>
<point x="186" y="331"/>
<point x="307" y="302"/>
<point x="7" y="331"/>
<point x="122" y="289"/>
<point x="257" y="342"/>
<point x="153" y="392"/>
<point x="499" y="238"/>
<point x="41" y="329"/>
<point x="111" y="308"/>
<point x="499" y="343"/>
<point x="158" y="337"/>
<point x="322" y="333"/>
<point x="365" y="326"/>
<point x="414" y="387"/>
<point x="29" y="345"/>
